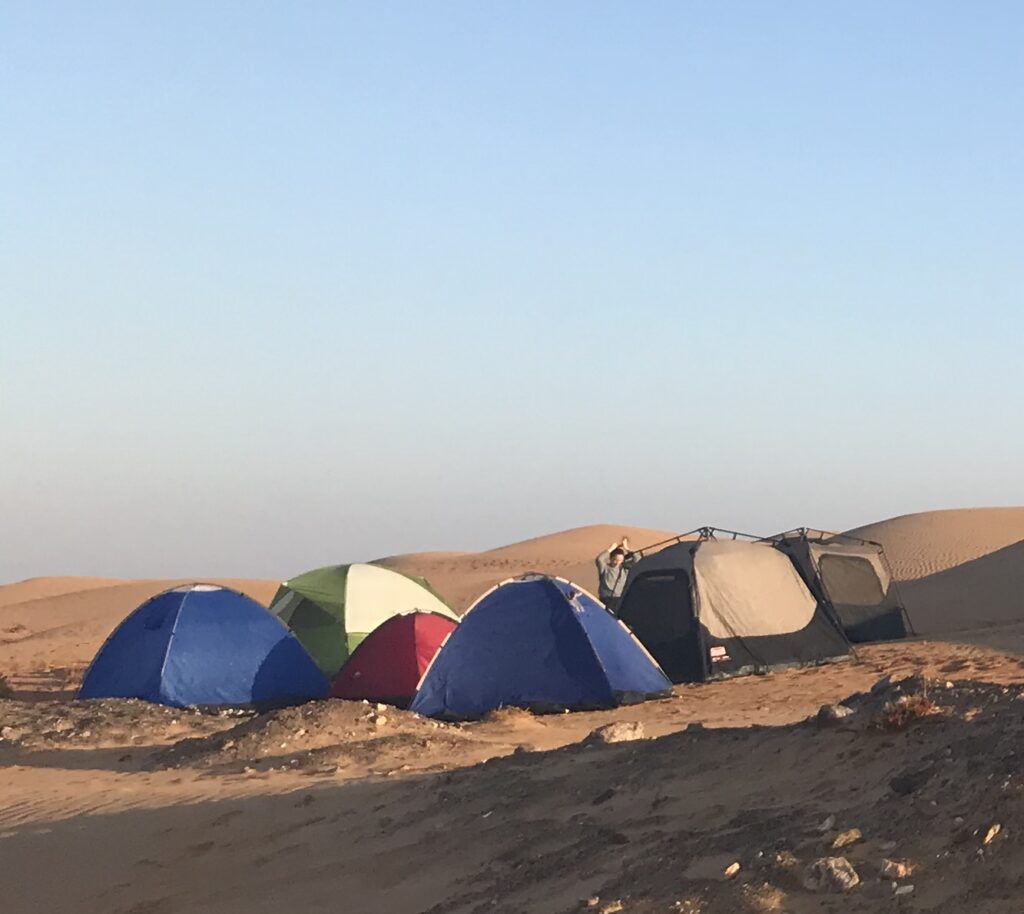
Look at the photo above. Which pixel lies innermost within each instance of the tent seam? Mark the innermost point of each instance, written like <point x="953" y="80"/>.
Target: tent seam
<point x="586" y="637"/>
<point x="170" y="640"/>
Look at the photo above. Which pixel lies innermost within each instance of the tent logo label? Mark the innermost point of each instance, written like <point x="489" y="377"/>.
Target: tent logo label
<point x="718" y="654"/>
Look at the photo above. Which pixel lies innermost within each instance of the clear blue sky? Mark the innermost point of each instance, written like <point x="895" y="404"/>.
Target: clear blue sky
<point x="290" y="283"/>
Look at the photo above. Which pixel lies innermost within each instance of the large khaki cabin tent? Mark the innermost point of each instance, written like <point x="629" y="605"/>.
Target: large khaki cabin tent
<point x="716" y="608"/>
<point x="853" y="576"/>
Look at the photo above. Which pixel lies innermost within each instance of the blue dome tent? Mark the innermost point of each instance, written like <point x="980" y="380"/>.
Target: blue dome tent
<point x="540" y="643"/>
<point x="203" y="645"/>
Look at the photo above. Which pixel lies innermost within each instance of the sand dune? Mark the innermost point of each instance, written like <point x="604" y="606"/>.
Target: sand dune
<point x="923" y="544"/>
<point x="462" y="576"/>
<point x="42" y="588"/>
<point x="958" y="569"/>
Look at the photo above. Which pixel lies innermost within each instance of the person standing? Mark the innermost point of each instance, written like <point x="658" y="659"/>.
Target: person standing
<point x="613" y="566"/>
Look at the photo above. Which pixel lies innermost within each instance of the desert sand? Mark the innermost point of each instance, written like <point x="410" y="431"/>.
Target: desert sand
<point x="338" y="806"/>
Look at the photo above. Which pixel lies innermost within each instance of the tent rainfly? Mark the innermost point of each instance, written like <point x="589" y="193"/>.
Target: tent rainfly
<point x="332" y="609"/>
<point x="716" y="608"/>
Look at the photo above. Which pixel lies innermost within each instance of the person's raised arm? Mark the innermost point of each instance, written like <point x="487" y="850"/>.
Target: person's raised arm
<point x="602" y="557"/>
<point x="631" y="558"/>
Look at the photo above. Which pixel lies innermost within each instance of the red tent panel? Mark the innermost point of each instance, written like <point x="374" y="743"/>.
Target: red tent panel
<point x="388" y="664"/>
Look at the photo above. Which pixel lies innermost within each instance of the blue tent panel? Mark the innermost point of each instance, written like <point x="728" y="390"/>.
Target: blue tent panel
<point x="130" y="664"/>
<point x="204" y="647"/>
<point x="630" y="670"/>
<point x="537" y="643"/>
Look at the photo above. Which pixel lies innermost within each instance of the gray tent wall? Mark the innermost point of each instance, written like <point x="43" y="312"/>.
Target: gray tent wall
<point x="854" y="577"/>
<point x="711" y="609"/>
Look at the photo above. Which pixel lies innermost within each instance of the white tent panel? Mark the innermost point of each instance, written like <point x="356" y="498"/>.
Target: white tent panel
<point x="374" y="594"/>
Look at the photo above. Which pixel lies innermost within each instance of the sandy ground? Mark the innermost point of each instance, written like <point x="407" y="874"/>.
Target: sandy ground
<point x="336" y="806"/>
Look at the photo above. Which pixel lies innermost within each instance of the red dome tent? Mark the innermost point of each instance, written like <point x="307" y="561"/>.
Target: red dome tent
<point x="388" y="664"/>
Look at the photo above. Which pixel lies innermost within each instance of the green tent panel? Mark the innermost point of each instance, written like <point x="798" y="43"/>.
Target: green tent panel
<point x="332" y="609"/>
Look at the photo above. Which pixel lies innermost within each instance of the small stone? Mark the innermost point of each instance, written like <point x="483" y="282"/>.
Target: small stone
<point x="846" y="838"/>
<point x="593" y="901"/>
<point x="904" y="890"/>
<point x="613" y="907"/>
<point x="991" y="833"/>
<point x="835" y="874"/>
<point x="896" y="869"/>
<point x="949" y="684"/>
<point x="381" y="707"/>
<point x="300" y="733"/>
<point x="828" y="824"/>
<point x="831" y="714"/>
<point x="887" y="845"/>
<point x="731" y="870"/>
<point x="619" y="732"/>
<point x="380" y="720"/>
<point x="958" y="820"/>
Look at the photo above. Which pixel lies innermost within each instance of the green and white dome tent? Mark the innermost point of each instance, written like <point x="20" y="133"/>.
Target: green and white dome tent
<point x="332" y="609"/>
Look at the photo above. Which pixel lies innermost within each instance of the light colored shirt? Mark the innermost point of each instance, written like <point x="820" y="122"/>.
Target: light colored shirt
<point x="611" y="579"/>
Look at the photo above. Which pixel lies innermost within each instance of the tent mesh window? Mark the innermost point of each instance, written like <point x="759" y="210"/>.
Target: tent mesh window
<point x="850" y="581"/>
<point x="308" y="615"/>
<point x="284" y="607"/>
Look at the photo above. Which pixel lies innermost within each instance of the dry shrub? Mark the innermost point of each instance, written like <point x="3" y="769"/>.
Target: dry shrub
<point x="764" y="899"/>
<point x="507" y="715"/>
<point x="900" y="714"/>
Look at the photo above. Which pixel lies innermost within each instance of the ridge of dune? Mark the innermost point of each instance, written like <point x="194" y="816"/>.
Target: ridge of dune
<point x="51" y="586"/>
<point x="581" y="542"/>
<point x="461" y="577"/>
<point x="929" y="542"/>
<point x="391" y="561"/>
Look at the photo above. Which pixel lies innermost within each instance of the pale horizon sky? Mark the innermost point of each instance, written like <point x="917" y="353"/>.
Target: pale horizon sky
<point x="290" y="284"/>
